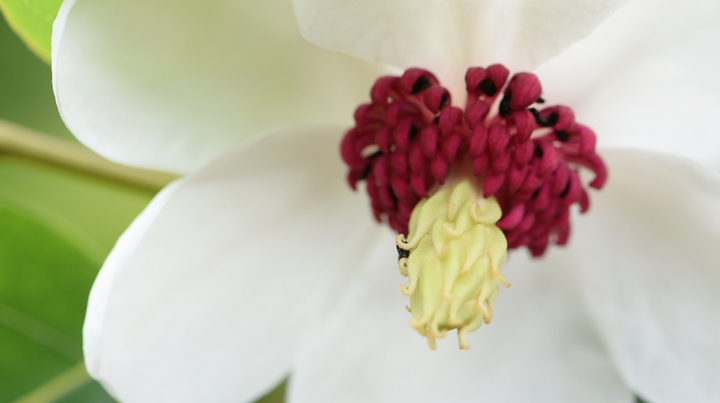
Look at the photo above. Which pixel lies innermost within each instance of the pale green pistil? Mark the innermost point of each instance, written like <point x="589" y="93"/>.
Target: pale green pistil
<point x="455" y="255"/>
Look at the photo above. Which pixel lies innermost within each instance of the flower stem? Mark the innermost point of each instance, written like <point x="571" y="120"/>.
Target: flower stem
<point x="25" y="143"/>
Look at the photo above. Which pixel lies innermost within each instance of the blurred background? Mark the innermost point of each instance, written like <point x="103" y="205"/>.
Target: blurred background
<point x="56" y="228"/>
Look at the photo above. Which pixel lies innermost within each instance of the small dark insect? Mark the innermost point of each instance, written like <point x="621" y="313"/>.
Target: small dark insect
<point x="402" y="252"/>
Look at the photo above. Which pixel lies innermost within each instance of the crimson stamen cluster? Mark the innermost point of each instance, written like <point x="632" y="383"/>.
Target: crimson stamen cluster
<point x="407" y="138"/>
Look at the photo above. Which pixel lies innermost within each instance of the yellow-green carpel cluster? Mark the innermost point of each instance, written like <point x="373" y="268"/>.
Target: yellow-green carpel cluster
<point x="455" y="253"/>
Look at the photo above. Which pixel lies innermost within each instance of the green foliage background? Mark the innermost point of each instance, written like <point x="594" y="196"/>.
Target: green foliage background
<point x="32" y="20"/>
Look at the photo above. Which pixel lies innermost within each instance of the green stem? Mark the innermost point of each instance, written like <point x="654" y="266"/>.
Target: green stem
<point x="26" y="143"/>
<point x="60" y="386"/>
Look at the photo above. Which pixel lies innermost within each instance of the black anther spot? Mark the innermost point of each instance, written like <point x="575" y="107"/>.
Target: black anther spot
<point x="505" y="105"/>
<point x="566" y="190"/>
<point x="553" y="119"/>
<point x="436" y="120"/>
<point x="540" y="100"/>
<point x="402" y="252"/>
<point x="365" y="173"/>
<point x="443" y="100"/>
<point x="537" y="151"/>
<point x="392" y="194"/>
<point x="421" y="84"/>
<point x="375" y="154"/>
<point x="413" y="131"/>
<point x="488" y="87"/>
<point x="562" y="135"/>
<point x="539" y="119"/>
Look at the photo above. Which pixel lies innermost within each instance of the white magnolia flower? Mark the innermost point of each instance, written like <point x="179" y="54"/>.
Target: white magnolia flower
<point x="261" y="263"/>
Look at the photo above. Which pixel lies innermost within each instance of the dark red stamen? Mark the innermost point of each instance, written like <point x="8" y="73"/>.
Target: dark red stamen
<point x="407" y="139"/>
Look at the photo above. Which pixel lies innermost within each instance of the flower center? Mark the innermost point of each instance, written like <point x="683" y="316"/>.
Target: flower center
<point x="452" y="257"/>
<point x="524" y="158"/>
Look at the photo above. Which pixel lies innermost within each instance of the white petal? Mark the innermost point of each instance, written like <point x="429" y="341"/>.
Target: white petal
<point x="243" y="257"/>
<point x="448" y="36"/>
<point x="116" y="261"/>
<point x="540" y="347"/>
<point x="172" y="84"/>
<point x="649" y="251"/>
<point x="647" y="78"/>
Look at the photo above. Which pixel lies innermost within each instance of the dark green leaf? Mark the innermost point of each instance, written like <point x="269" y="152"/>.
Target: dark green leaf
<point x="44" y="283"/>
<point x="26" y="95"/>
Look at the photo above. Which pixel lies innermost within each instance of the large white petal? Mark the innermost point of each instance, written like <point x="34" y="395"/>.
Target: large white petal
<point x="647" y="78"/>
<point x="649" y="251"/>
<point x="211" y="299"/>
<point x="171" y="84"/>
<point x="448" y="36"/>
<point x="540" y="347"/>
<point x="118" y="259"/>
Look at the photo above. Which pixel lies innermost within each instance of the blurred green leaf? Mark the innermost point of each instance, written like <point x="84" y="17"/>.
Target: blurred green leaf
<point x="32" y="20"/>
<point x="276" y="396"/>
<point x="44" y="283"/>
<point x="26" y="94"/>
<point x="89" y="213"/>
<point x="89" y="392"/>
